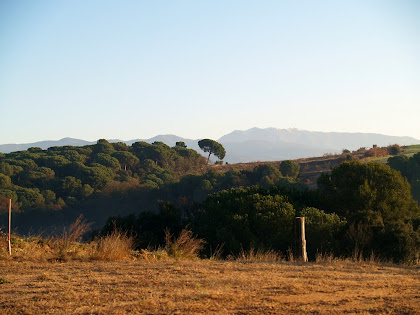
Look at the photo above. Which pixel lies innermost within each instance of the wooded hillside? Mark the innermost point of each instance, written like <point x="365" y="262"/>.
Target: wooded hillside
<point x="146" y="188"/>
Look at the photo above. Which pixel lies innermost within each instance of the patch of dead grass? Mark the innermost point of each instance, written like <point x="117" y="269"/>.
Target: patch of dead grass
<point x="205" y="286"/>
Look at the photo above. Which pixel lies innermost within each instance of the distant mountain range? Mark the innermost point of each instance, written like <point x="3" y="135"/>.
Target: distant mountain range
<point x="272" y="144"/>
<point x="256" y="144"/>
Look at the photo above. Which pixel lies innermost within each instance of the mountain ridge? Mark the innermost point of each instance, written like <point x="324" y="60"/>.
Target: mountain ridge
<point x="255" y="144"/>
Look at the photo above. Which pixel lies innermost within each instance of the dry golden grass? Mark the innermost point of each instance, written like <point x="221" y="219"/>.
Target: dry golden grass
<point x="91" y="279"/>
<point x="205" y="286"/>
<point x="116" y="246"/>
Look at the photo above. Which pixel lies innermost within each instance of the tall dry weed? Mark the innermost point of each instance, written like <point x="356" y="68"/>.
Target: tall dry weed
<point x="217" y="254"/>
<point x="185" y="246"/>
<point x="290" y="256"/>
<point x="260" y="255"/>
<point x="76" y="230"/>
<point x="358" y="257"/>
<point x="68" y="245"/>
<point x="325" y="258"/>
<point x="115" y="246"/>
<point x="3" y="245"/>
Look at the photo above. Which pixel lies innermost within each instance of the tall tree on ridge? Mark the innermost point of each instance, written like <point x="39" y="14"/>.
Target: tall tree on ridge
<point x="213" y="147"/>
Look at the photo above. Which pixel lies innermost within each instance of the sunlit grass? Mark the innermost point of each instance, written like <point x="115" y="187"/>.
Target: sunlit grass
<point x="412" y="149"/>
<point x="409" y="151"/>
<point x="246" y="286"/>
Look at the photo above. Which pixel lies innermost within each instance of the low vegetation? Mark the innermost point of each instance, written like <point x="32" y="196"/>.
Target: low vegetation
<point x="116" y="245"/>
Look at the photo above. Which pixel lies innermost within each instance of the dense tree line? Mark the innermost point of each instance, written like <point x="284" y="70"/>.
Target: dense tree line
<point x="58" y="176"/>
<point x="409" y="167"/>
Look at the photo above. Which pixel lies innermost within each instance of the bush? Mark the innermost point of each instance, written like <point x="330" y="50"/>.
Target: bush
<point x="243" y="218"/>
<point x="322" y="230"/>
<point x="377" y="203"/>
<point x="394" y="149"/>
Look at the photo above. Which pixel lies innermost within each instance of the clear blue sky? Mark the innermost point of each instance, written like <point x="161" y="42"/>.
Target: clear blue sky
<point x="136" y="69"/>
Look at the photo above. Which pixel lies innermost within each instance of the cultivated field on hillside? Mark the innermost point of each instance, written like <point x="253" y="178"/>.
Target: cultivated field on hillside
<point x="206" y="286"/>
<point x="409" y="151"/>
<point x="412" y="149"/>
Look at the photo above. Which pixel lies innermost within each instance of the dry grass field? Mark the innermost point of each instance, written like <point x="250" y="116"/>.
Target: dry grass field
<point x="61" y="275"/>
<point x="207" y="286"/>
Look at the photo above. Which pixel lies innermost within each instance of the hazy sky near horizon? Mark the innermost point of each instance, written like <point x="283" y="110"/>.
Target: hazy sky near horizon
<point x="201" y="69"/>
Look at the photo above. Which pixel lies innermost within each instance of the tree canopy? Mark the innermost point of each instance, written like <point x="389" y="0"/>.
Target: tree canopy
<point x="212" y="147"/>
<point x="290" y="168"/>
<point x="368" y="192"/>
<point x="410" y="169"/>
<point x="58" y="176"/>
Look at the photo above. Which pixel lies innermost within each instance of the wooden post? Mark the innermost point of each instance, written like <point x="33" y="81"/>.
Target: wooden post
<point x="300" y="239"/>
<point x="10" y="226"/>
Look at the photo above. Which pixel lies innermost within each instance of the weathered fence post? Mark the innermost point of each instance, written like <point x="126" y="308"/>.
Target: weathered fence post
<point x="300" y="240"/>
<point x="10" y="226"/>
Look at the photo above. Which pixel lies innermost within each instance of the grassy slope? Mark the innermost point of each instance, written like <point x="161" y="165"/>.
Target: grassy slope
<point x="219" y="287"/>
<point x="409" y="151"/>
